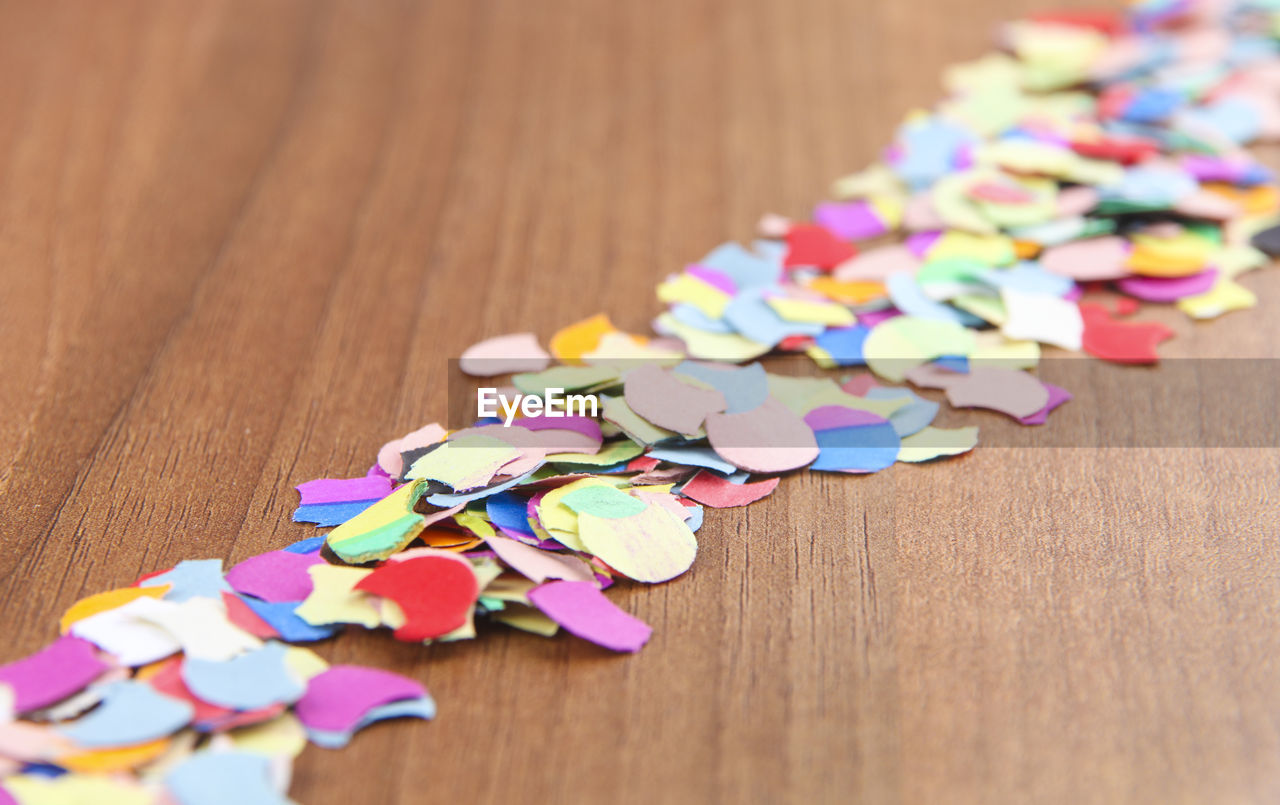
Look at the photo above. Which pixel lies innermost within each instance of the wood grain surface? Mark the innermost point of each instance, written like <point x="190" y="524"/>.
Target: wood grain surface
<point x="239" y="240"/>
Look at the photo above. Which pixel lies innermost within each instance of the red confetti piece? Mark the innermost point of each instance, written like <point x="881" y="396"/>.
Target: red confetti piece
<point x="813" y="245"/>
<point x="1120" y="341"/>
<point x="239" y="613"/>
<point x="436" y="593"/>
<point x="717" y="492"/>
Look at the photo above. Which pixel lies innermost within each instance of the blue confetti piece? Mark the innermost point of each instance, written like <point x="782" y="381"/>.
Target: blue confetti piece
<point x="696" y="514"/>
<point x="1153" y="105"/>
<point x="752" y="318"/>
<point x="694" y="317"/>
<point x="424" y="708"/>
<point x="953" y="363"/>
<point x="511" y="512"/>
<point x="130" y="713"/>
<point x="330" y="514"/>
<point x="703" y="457"/>
<point x="844" y="344"/>
<point x="1029" y="278"/>
<point x="744" y="388"/>
<point x="911" y="418"/>
<point x="908" y="297"/>
<point x="746" y="269"/>
<point x="217" y="778"/>
<point x="292" y="628"/>
<point x="308" y="545"/>
<point x="192" y="578"/>
<point x="859" y="448"/>
<point x="255" y="679"/>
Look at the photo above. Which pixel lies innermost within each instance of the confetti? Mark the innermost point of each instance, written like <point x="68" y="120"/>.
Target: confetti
<point x="52" y="674"/>
<point x="584" y="611"/>
<point x="436" y="593"/>
<point x="1092" y="167"/>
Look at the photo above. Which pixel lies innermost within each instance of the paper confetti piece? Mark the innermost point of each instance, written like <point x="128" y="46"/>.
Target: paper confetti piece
<point x="102" y="602"/>
<point x="424" y="708"/>
<point x="436" y="594"/>
<point x="576" y="340"/>
<point x="276" y="576"/>
<point x="255" y="679"/>
<point x="713" y="490"/>
<point x="217" y="778"/>
<point x="900" y="344"/>
<point x="390" y="456"/>
<point x="130" y="713"/>
<point x="671" y="401"/>
<point x="584" y="611"/>
<point x="337" y="699"/>
<point x="191" y="578"/>
<point x="1008" y="391"/>
<point x="116" y="759"/>
<point x="74" y="789"/>
<point x="651" y="546"/>
<point x="767" y="439"/>
<point x="852" y="441"/>
<point x="1057" y="396"/>
<point x="51" y="674"/>
<point x="1121" y="341"/>
<point x="126" y="633"/>
<point x="539" y="565"/>
<point x="505" y="354"/>
<point x="343" y="490"/>
<point x="382" y="529"/>
<point x="335" y="599"/>
<point x="932" y="443"/>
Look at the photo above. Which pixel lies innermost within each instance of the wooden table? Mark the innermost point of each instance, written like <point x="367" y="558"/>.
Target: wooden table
<point x="239" y="240"/>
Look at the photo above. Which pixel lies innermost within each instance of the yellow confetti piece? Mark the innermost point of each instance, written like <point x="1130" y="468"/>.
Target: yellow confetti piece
<point x="877" y="180"/>
<point x="931" y="443"/>
<point x="896" y="346"/>
<point x="1225" y="296"/>
<point x="804" y="310"/>
<point x="994" y="250"/>
<point x="849" y="292"/>
<point x="889" y="208"/>
<point x="383" y="528"/>
<point x="527" y="619"/>
<point x="727" y="347"/>
<point x="1178" y="256"/>
<point x="651" y="546"/>
<point x="282" y="735"/>
<point x="304" y="662"/>
<point x="334" y="599"/>
<point x="76" y="789"/>
<point x="993" y="348"/>
<point x="571" y="343"/>
<point x="1260" y="200"/>
<point x="103" y="761"/>
<point x="690" y="290"/>
<point x="111" y="599"/>
<point x="624" y="351"/>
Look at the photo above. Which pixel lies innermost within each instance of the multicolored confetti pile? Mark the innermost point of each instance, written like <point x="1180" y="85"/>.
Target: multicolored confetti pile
<point x="1094" y="152"/>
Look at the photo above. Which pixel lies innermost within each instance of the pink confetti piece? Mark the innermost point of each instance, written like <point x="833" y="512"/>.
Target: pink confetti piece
<point x="582" y="610"/>
<point x="276" y="577"/>
<point x="52" y="674"/>
<point x="338" y="698"/>
<point x="343" y="490"/>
